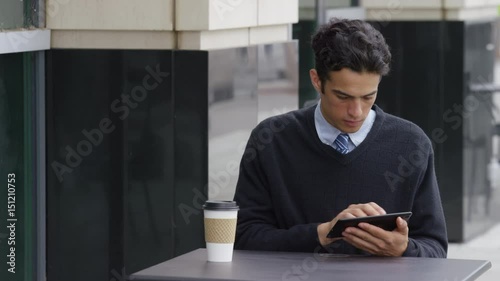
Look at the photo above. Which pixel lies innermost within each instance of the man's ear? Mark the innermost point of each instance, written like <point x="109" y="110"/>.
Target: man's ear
<point x="315" y="81"/>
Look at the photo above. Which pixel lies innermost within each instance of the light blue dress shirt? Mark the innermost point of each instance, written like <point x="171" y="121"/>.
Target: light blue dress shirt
<point x="327" y="133"/>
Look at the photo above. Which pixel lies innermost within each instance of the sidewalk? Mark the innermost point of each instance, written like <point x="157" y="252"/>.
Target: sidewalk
<point x="484" y="247"/>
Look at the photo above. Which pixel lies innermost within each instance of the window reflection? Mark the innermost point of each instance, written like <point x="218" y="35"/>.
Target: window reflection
<point x="246" y="86"/>
<point x="18" y="13"/>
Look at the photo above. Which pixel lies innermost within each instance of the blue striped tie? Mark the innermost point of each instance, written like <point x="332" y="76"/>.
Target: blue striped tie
<point x="342" y="143"/>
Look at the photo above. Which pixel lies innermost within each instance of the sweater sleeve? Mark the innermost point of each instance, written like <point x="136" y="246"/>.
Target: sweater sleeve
<point x="258" y="228"/>
<point x="427" y="236"/>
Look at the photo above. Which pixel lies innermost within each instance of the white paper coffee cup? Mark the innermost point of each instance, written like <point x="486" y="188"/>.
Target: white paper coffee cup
<point x="220" y="219"/>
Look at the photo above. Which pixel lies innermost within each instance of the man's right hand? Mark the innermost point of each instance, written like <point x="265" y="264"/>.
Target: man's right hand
<point x="353" y="211"/>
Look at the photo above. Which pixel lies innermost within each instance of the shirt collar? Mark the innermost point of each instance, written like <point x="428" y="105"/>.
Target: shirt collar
<point x="327" y="133"/>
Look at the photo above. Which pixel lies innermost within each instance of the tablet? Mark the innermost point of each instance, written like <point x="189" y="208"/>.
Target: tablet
<point x="387" y="222"/>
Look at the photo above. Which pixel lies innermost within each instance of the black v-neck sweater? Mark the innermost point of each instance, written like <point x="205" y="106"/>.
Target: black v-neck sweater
<point x="290" y="182"/>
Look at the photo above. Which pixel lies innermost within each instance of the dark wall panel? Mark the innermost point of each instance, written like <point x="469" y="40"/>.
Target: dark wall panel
<point x="109" y="134"/>
<point x="149" y="158"/>
<point x="423" y="84"/>
<point x="433" y="65"/>
<point x="191" y="149"/>
<point x="128" y="138"/>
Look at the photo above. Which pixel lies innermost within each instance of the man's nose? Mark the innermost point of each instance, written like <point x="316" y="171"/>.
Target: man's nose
<point x="355" y="109"/>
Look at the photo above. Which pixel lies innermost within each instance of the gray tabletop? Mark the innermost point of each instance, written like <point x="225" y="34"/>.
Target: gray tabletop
<point x="253" y="265"/>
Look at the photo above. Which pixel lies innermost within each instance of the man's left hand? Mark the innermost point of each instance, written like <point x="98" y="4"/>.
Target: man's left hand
<point x="378" y="241"/>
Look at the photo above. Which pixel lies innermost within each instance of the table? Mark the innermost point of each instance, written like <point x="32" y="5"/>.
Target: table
<point x="254" y="265"/>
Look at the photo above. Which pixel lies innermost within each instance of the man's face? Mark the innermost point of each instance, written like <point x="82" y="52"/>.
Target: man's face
<point x="347" y="97"/>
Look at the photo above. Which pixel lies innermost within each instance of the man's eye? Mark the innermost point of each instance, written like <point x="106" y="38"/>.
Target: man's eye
<point x="342" y="97"/>
<point x="368" y="98"/>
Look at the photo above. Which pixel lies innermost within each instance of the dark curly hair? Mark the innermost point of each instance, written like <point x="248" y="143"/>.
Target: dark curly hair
<point x="354" y="44"/>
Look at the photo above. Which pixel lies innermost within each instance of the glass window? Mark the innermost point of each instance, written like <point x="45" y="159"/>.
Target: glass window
<point x="16" y="166"/>
<point x="18" y="13"/>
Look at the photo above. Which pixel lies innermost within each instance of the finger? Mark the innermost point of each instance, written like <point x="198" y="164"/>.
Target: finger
<point x="369" y="209"/>
<point x="362" y="210"/>
<point x="352" y="212"/>
<point x="402" y="226"/>
<point x="373" y="230"/>
<point x="358" y="212"/>
<point x="378" y="209"/>
<point x="363" y="235"/>
<point x="354" y="238"/>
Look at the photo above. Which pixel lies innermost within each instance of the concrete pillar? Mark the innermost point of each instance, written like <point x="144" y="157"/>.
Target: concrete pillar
<point x="169" y="24"/>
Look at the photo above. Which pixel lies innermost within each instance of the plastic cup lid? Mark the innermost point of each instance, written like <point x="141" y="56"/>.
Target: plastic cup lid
<point x="219" y="205"/>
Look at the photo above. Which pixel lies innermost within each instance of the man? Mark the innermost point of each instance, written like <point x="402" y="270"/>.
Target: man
<point x="344" y="158"/>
